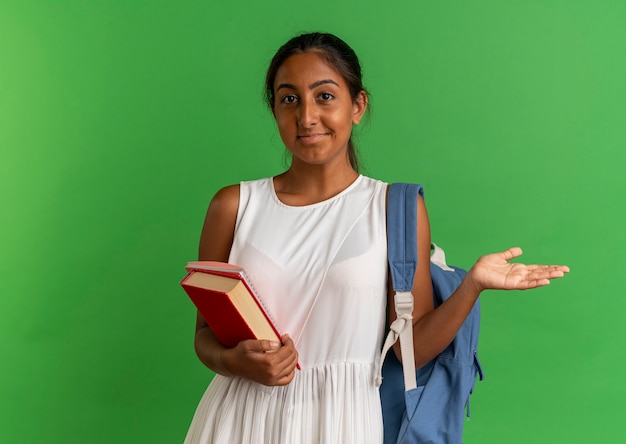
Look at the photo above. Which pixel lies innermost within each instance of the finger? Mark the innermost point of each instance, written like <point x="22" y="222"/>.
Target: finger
<point x="534" y="283"/>
<point x="563" y="268"/>
<point x="542" y="276"/>
<point x="288" y="356"/>
<point x="288" y="366"/>
<point x="288" y="353"/>
<point x="286" y="339"/>
<point x="284" y="362"/>
<point x="512" y="253"/>
<point x="553" y="274"/>
<point x="260" y="346"/>
<point x="287" y="378"/>
<point x="549" y="272"/>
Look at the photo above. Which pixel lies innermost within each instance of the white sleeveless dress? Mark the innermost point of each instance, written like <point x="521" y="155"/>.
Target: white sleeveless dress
<point x="321" y="270"/>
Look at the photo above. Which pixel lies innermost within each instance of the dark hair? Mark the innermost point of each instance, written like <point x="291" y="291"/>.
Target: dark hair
<point x="336" y="53"/>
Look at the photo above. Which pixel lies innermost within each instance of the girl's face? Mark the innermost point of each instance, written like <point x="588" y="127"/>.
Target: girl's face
<point x="313" y="109"/>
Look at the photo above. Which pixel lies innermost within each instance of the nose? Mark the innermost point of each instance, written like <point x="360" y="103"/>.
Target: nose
<point x="308" y="114"/>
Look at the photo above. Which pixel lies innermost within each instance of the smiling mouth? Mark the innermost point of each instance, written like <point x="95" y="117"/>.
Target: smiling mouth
<point x="311" y="138"/>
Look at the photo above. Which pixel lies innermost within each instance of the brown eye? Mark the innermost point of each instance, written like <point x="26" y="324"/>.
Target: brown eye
<point x="325" y="97"/>
<point x="289" y="99"/>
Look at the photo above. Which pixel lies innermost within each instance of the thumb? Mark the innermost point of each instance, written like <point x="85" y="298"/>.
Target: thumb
<point x="264" y="345"/>
<point x="512" y="253"/>
<point x="286" y="339"/>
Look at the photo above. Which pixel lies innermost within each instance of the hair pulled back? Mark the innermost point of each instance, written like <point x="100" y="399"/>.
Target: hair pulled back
<point x="337" y="53"/>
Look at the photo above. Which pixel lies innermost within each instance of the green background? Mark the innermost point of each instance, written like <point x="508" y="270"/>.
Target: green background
<point x="120" y="119"/>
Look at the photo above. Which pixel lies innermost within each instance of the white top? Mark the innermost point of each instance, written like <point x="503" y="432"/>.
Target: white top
<point x="321" y="270"/>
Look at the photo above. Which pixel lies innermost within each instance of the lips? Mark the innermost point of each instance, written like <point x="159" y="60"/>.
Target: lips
<point x="311" y="138"/>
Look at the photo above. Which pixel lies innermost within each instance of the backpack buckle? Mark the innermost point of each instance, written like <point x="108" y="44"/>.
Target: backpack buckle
<point x="403" y="301"/>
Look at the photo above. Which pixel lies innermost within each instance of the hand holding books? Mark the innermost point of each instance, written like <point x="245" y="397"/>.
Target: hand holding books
<point x="228" y="302"/>
<point x="261" y="362"/>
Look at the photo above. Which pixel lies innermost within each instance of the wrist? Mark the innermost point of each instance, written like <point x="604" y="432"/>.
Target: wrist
<point x="220" y="361"/>
<point x="473" y="283"/>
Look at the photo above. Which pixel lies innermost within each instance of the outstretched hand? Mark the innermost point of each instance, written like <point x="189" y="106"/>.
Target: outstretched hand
<point x="494" y="271"/>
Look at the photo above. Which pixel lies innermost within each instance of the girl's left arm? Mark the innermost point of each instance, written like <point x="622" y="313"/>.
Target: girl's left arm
<point x="434" y="329"/>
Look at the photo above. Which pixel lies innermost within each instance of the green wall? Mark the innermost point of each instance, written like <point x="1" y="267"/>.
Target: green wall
<point x="120" y="119"/>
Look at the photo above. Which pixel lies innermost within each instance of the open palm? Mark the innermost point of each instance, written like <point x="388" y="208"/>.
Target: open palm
<point x="494" y="271"/>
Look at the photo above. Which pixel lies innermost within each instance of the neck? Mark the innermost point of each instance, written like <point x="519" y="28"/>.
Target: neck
<point x="308" y="185"/>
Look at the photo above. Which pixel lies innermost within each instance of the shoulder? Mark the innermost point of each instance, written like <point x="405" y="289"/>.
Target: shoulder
<point x="226" y="199"/>
<point x="229" y="197"/>
<point x="226" y="202"/>
<point x="223" y="208"/>
<point x="371" y="181"/>
<point x="219" y="225"/>
<point x="374" y="186"/>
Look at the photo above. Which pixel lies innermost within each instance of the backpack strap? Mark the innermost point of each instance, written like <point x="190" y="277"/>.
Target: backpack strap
<point x="438" y="257"/>
<point x="402" y="255"/>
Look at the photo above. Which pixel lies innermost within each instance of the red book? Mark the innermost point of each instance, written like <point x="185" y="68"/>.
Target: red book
<point x="228" y="302"/>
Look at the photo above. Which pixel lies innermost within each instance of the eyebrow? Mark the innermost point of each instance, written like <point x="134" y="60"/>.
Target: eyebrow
<point x="311" y="86"/>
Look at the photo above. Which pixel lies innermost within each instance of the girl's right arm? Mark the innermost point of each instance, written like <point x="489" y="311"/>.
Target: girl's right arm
<point x="249" y="359"/>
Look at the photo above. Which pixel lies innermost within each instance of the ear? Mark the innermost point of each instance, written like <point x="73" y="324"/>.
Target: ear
<point x="359" y="106"/>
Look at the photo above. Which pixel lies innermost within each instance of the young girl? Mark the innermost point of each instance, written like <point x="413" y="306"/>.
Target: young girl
<point x="313" y="241"/>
